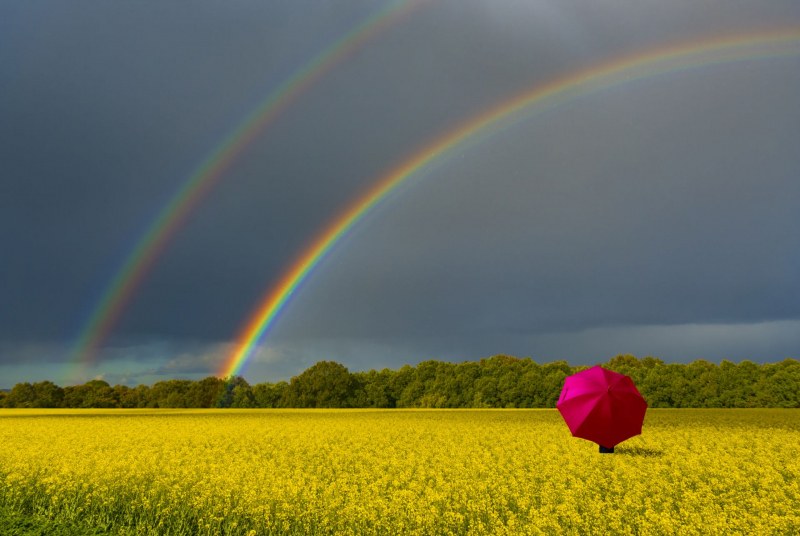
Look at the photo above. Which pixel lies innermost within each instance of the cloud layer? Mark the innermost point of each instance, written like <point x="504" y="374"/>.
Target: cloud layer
<point x="660" y="212"/>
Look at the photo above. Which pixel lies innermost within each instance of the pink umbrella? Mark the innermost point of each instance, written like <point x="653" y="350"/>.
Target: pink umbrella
<point x="602" y="406"/>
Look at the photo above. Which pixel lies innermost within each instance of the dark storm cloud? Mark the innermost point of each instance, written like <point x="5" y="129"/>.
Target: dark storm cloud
<point x="670" y="202"/>
<point x="643" y="207"/>
<point x="103" y="122"/>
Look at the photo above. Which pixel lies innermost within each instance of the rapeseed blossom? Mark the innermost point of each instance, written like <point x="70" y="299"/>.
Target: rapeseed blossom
<point x="458" y="472"/>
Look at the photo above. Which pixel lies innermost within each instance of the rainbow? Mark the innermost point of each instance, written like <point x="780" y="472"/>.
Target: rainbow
<point x="119" y="291"/>
<point x="658" y="61"/>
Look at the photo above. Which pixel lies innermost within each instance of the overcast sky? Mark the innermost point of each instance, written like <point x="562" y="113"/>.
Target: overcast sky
<point x="655" y="218"/>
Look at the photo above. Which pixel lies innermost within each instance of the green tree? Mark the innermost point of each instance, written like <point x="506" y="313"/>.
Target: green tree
<point x="630" y="366"/>
<point x="226" y="398"/>
<point x="136" y="397"/>
<point x="99" y="394"/>
<point x="375" y="389"/>
<point x="92" y="394"/>
<point x="171" y="393"/>
<point x="663" y="386"/>
<point x="553" y="375"/>
<point x="427" y="385"/>
<point x="205" y="393"/>
<point x="243" y="397"/>
<point x="270" y="395"/>
<point x="506" y="372"/>
<point x="73" y="396"/>
<point x="398" y="382"/>
<point x="22" y="395"/>
<point x="498" y="381"/>
<point x="702" y="386"/>
<point x="530" y="390"/>
<point x="326" y="384"/>
<point x="461" y="391"/>
<point x="48" y="395"/>
<point x="486" y="392"/>
<point x="779" y="385"/>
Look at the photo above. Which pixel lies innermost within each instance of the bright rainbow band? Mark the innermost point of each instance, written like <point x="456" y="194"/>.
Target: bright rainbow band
<point x="659" y="61"/>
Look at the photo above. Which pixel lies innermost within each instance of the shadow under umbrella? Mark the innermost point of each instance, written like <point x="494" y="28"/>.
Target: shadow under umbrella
<point x="639" y="451"/>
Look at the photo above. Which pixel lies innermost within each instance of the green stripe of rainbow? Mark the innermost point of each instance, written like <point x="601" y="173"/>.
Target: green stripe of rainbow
<point x="785" y="42"/>
<point x="119" y="292"/>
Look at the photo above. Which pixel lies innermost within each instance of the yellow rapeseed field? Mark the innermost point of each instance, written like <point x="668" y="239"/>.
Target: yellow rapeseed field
<point x="400" y="472"/>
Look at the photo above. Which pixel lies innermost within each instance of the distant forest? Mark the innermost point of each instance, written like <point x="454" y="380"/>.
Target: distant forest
<point x="497" y="382"/>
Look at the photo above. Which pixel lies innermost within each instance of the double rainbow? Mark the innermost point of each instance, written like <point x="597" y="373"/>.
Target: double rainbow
<point x="137" y="264"/>
<point x="658" y="61"/>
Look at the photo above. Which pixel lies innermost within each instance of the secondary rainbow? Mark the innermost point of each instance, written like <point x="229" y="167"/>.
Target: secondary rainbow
<point x="658" y="61"/>
<point x="119" y="291"/>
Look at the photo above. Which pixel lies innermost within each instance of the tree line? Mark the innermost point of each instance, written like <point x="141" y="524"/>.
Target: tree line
<point x="497" y="382"/>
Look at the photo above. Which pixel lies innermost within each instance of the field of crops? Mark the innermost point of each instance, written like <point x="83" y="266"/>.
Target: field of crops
<point x="399" y="472"/>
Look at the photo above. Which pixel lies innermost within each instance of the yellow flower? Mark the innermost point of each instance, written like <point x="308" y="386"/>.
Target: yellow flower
<point x="401" y="471"/>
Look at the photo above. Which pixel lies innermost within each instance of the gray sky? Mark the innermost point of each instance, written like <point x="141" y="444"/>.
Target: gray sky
<point x="658" y="217"/>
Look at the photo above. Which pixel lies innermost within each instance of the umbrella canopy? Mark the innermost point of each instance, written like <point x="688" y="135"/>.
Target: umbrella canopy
<point x="602" y="406"/>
